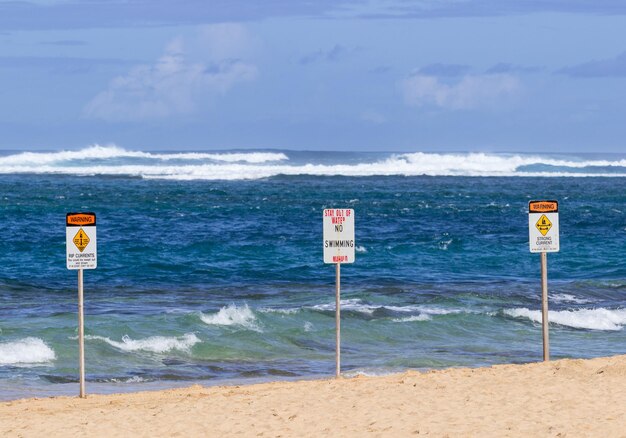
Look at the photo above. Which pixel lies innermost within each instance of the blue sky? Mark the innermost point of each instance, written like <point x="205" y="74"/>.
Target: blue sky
<point x="432" y="75"/>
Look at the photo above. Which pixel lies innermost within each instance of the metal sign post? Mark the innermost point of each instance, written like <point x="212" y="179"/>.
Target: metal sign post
<point x="543" y="229"/>
<point x="544" y="306"/>
<point x="81" y="335"/>
<point x="338" y="248"/>
<point x="81" y="251"/>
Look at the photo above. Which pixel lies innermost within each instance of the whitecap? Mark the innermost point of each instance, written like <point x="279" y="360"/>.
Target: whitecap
<point x="592" y="319"/>
<point x="113" y="160"/>
<point x="26" y="351"/>
<point x="360" y="249"/>
<point x="357" y="305"/>
<point x="353" y="304"/>
<point x="443" y="244"/>
<point x="153" y="344"/>
<point x="568" y="298"/>
<point x="233" y="315"/>
<point x="108" y="152"/>
<point x="286" y="311"/>
<point x="420" y="317"/>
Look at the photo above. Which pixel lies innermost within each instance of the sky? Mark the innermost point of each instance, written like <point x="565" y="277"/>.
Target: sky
<point x="349" y="75"/>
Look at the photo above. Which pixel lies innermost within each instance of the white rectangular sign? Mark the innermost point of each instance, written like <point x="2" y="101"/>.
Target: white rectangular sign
<point x="80" y="241"/>
<point x="339" y="235"/>
<point x="543" y="226"/>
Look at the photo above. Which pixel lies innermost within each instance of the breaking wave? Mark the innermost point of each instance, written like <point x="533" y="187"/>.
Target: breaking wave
<point x="113" y="160"/>
<point x="592" y="319"/>
<point x="420" y="317"/>
<point x="98" y="152"/>
<point x="153" y="344"/>
<point x="357" y="305"/>
<point x="26" y="351"/>
<point x="232" y="315"/>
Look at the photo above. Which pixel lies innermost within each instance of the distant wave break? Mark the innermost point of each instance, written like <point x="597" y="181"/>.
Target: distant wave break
<point x="113" y="160"/>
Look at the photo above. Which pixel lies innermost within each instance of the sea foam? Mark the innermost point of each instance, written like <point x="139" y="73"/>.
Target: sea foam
<point x="592" y="319"/>
<point x="26" y="351"/>
<point x="233" y="315"/>
<point x="154" y="344"/>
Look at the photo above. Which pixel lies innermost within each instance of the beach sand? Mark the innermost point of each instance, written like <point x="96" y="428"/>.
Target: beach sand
<point x="573" y="398"/>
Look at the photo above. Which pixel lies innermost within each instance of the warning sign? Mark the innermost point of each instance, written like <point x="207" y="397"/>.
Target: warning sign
<point x="81" y="240"/>
<point x="339" y="235"/>
<point x="543" y="226"/>
<point x="80" y="243"/>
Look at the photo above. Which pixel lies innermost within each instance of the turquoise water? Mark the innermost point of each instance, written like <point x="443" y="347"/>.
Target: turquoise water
<point x="212" y="280"/>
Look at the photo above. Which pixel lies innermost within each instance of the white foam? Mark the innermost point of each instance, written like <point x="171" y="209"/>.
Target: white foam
<point x="371" y="372"/>
<point x="26" y="351"/>
<point x="232" y="315"/>
<point x="361" y="249"/>
<point x="255" y="165"/>
<point x="443" y="244"/>
<point x="287" y="311"/>
<point x="154" y="344"/>
<point x="593" y="319"/>
<point x="308" y="326"/>
<point x="420" y="317"/>
<point x="428" y="310"/>
<point x="97" y="152"/>
<point x="354" y="304"/>
<point x="134" y="379"/>
<point x="568" y="298"/>
<point x="357" y="305"/>
<point x="480" y="162"/>
<point x="228" y="157"/>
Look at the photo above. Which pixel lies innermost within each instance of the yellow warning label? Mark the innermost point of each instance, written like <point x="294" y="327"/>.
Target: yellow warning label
<point x="81" y="240"/>
<point x="543" y="225"/>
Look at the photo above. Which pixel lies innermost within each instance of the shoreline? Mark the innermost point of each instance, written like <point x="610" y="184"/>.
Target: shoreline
<point x="581" y="397"/>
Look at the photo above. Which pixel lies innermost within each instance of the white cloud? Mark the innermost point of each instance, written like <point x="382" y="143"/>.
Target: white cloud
<point x="175" y="82"/>
<point x="471" y="91"/>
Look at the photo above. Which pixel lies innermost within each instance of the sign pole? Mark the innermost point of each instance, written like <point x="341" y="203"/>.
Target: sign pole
<point x="81" y="253"/>
<point x="338" y="228"/>
<point x="544" y="306"/>
<point x="338" y="320"/>
<point x="81" y="334"/>
<point x="543" y="237"/>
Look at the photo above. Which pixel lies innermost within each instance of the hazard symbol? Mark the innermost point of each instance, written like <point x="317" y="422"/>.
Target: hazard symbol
<point x="543" y="225"/>
<point x="81" y="240"/>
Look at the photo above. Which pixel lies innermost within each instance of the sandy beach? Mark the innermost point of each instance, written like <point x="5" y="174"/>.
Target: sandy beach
<point x="560" y="398"/>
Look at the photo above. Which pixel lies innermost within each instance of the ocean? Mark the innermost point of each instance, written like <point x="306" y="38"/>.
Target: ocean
<point x="210" y="264"/>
